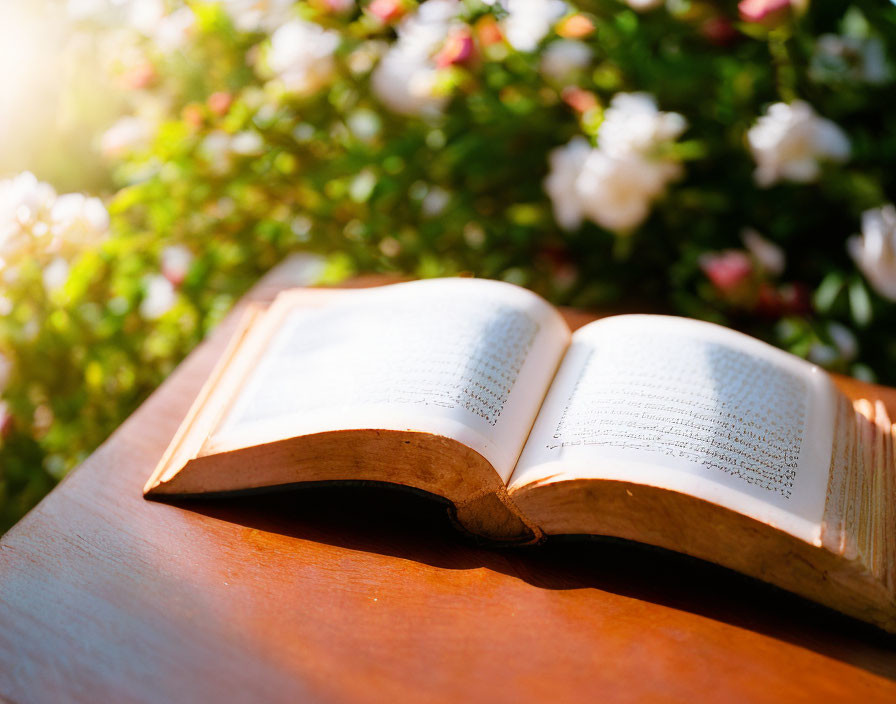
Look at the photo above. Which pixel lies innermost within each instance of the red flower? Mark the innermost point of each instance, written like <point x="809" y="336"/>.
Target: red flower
<point x="796" y="299"/>
<point x="719" y="30"/>
<point x="768" y="301"/>
<point x="789" y="299"/>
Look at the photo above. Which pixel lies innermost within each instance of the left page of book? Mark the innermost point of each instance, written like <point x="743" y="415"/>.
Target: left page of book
<point x="466" y="359"/>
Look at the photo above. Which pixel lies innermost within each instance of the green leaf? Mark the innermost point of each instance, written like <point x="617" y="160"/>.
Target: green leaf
<point x="828" y="291"/>
<point x="860" y="303"/>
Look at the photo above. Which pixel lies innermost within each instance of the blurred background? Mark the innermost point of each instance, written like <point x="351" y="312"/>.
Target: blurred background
<point x="731" y="161"/>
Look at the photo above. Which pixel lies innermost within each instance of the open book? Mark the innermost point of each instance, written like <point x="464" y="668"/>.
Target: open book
<point x="667" y="431"/>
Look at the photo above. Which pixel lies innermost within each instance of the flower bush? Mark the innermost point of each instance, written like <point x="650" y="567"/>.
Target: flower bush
<point x="729" y="161"/>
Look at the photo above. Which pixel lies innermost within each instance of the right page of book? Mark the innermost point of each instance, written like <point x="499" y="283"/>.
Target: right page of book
<point x="691" y="407"/>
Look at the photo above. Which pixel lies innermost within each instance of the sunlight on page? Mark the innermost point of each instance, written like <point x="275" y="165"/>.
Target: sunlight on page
<point x="694" y="408"/>
<point x="464" y="358"/>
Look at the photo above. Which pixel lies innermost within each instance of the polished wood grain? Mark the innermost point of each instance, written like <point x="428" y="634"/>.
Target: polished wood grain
<point x="367" y="595"/>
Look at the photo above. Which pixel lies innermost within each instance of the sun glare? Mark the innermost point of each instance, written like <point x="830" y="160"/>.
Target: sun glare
<point x="31" y="71"/>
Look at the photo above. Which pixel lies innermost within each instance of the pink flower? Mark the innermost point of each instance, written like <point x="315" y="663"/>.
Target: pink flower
<point x="7" y="421"/>
<point x="386" y="10"/>
<point x="579" y="99"/>
<point x="176" y="263"/>
<point x="5" y="372"/>
<point x="192" y="115"/>
<point x="727" y="271"/>
<point x="488" y="31"/>
<point x="339" y="6"/>
<point x="140" y="76"/>
<point x="219" y="103"/>
<point x="457" y="49"/>
<point x="767" y="12"/>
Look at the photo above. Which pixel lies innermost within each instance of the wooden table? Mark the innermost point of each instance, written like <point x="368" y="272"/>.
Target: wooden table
<point x="332" y="595"/>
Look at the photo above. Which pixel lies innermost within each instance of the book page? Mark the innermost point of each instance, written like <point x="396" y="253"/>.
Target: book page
<point x="691" y="407"/>
<point x="463" y="358"/>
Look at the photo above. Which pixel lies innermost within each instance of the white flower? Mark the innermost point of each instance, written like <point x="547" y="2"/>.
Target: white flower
<point x="844" y="340"/>
<point x="77" y="219"/>
<point x="405" y="82"/>
<point x="145" y="15"/>
<point x="126" y="135"/>
<point x="24" y="199"/>
<point x="529" y="21"/>
<point x="643" y="5"/>
<point x="176" y="262"/>
<point x="364" y="124"/>
<point x="563" y="59"/>
<point x="24" y="205"/>
<point x="616" y="192"/>
<point x="215" y="149"/>
<point x="769" y="255"/>
<point x="566" y="164"/>
<point x="405" y="78"/>
<point x="31" y="214"/>
<point x="874" y="251"/>
<point x="55" y="274"/>
<point x="160" y="297"/>
<point x="258" y="15"/>
<point x="633" y="123"/>
<point x="429" y="25"/>
<point x="615" y="184"/>
<point x="435" y="202"/>
<point x="364" y="58"/>
<point x="87" y="9"/>
<point x="789" y="141"/>
<point x="860" y="59"/>
<point x="218" y="148"/>
<point x="301" y="55"/>
<point x="174" y="31"/>
<point x="247" y="143"/>
<point x="151" y="19"/>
